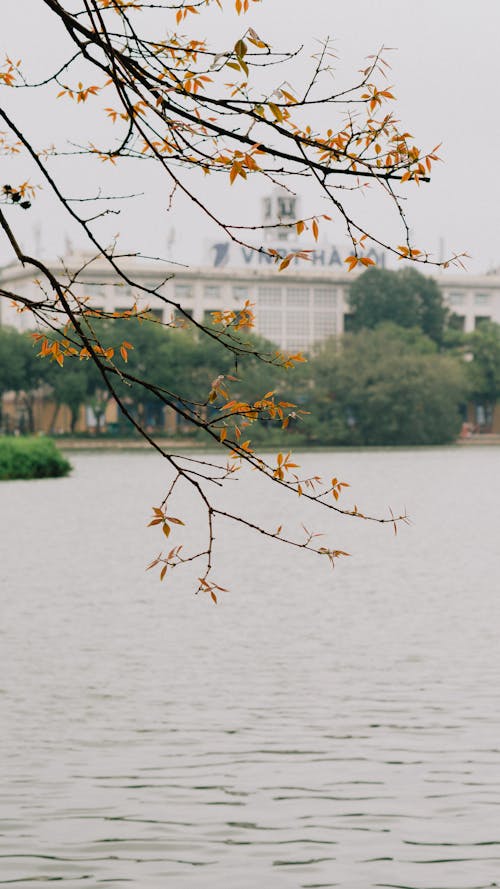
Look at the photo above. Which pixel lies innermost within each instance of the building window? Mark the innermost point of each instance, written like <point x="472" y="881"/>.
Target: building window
<point x="297" y="324"/>
<point x="155" y="314"/>
<point x="270" y="324"/>
<point x="456" y="299"/>
<point x="481" y="319"/>
<point x="211" y="291"/>
<point x="481" y="299"/>
<point x="151" y="285"/>
<point x="241" y="294"/>
<point x="457" y="322"/>
<point x="324" y="325"/>
<point x="325" y="297"/>
<point x="119" y="291"/>
<point x="269" y="296"/>
<point x="183" y="291"/>
<point x="179" y="318"/>
<point x="286" y="208"/>
<point x="100" y="294"/>
<point x="297" y="296"/>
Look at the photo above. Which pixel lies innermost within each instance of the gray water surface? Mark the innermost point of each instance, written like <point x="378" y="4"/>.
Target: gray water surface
<point x="314" y="729"/>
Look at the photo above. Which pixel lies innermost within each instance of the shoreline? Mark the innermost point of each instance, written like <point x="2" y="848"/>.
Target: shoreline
<point x="125" y="444"/>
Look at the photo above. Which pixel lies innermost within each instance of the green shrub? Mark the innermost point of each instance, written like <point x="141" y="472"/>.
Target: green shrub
<point x="31" y="458"/>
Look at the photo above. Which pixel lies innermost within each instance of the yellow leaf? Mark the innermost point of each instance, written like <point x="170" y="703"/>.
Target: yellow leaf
<point x="315" y="229"/>
<point x="154" y="562"/>
<point x="352" y="262"/>
<point x="240" y="48"/>
<point x="275" y="110"/>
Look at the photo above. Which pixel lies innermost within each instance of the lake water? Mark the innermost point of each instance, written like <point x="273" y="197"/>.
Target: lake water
<point x="314" y="729"/>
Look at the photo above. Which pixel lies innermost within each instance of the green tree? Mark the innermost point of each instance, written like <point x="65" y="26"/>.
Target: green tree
<point x="12" y="368"/>
<point x="21" y="371"/>
<point x="406" y="297"/>
<point x="71" y="388"/>
<point x="193" y="361"/>
<point x="484" y="369"/>
<point x="35" y="375"/>
<point x="386" y="387"/>
<point x="11" y="360"/>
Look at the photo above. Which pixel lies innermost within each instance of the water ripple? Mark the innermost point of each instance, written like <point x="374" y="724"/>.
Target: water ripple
<point x="341" y="734"/>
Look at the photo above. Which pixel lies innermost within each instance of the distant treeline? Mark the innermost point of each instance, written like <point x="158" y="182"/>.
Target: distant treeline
<point x="401" y="376"/>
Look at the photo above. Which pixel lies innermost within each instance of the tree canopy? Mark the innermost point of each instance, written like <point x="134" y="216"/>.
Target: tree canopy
<point x="388" y="386"/>
<point x="406" y="297"/>
<point x="169" y="100"/>
<point x="484" y="369"/>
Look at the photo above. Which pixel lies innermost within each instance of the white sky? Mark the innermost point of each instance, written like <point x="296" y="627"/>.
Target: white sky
<point x="445" y="74"/>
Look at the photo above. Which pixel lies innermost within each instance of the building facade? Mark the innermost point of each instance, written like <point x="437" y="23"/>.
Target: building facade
<point x="295" y="309"/>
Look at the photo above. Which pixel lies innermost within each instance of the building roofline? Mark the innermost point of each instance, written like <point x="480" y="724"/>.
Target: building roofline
<point x="147" y="267"/>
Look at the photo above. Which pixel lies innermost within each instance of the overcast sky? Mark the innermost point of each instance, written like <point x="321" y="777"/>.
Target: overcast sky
<point x="445" y="74"/>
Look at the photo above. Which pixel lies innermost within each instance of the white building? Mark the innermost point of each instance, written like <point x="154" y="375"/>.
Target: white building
<point x="294" y="309"/>
<point x="474" y="298"/>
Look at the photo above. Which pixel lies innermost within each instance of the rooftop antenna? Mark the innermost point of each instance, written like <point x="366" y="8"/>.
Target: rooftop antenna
<point x="37" y="237"/>
<point x="170" y="241"/>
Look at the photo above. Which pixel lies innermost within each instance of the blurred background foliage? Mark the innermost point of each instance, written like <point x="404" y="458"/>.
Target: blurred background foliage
<point x="401" y="375"/>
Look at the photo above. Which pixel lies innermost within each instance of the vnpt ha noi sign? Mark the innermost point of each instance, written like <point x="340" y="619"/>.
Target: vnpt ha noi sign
<point x="225" y="253"/>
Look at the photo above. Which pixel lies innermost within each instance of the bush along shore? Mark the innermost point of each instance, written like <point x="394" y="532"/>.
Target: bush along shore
<point x="31" y="458"/>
